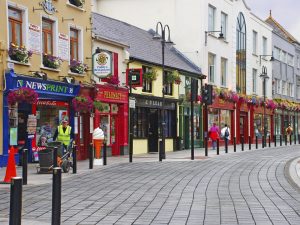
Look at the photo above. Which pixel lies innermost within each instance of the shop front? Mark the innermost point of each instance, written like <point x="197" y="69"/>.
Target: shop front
<point x="112" y="117"/>
<point x="147" y="123"/>
<point x="242" y="124"/>
<point x="221" y="113"/>
<point x="257" y="123"/>
<point x="31" y="126"/>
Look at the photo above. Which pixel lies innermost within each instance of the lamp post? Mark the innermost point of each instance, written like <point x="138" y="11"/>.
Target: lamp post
<point x="264" y="76"/>
<point x="271" y="59"/>
<point x="221" y="35"/>
<point x="163" y="28"/>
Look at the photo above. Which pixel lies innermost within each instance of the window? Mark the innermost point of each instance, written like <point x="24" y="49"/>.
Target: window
<point x="277" y="86"/>
<point x="298" y="62"/>
<point x="211" y="18"/>
<point x="223" y="71"/>
<point x="211" y="68"/>
<point x="74" y="44"/>
<point x="283" y="56"/>
<point x="147" y="84"/>
<point x="15" y="26"/>
<point x="254" y="42"/>
<point x="47" y="36"/>
<point x="254" y="80"/>
<point x="140" y="122"/>
<point x="264" y="46"/>
<point x="168" y="86"/>
<point x="283" y="88"/>
<point x="276" y="53"/>
<point x="290" y="89"/>
<point x="290" y="60"/>
<point x="241" y="54"/>
<point x="224" y="24"/>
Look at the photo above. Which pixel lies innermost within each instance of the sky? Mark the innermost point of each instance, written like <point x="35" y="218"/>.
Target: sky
<point x="285" y="12"/>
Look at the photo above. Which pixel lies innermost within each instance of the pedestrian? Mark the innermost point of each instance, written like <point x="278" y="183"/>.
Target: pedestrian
<point x="214" y="135"/>
<point x="225" y="134"/>
<point x="289" y="132"/>
<point x="63" y="133"/>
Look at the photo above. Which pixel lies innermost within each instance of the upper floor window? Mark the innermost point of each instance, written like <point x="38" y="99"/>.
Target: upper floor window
<point x="254" y="80"/>
<point x="290" y="60"/>
<point x="254" y="42"/>
<point x="284" y="88"/>
<point x="223" y="71"/>
<point x="264" y="45"/>
<point x="283" y="56"/>
<point x="224" y="24"/>
<point x="277" y="86"/>
<point x="15" y="26"/>
<point x="211" y="67"/>
<point x="211" y="18"/>
<point x="147" y="83"/>
<point x="298" y="62"/>
<point x="47" y="36"/>
<point x="241" y="54"/>
<point x="168" y="86"/>
<point x="277" y="53"/>
<point x="74" y="44"/>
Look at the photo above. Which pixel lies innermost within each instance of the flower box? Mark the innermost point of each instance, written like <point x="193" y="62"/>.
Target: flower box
<point x="19" y="53"/>
<point x="150" y="75"/>
<point x="51" y="61"/>
<point x="173" y="77"/>
<point x="77" y="67"/>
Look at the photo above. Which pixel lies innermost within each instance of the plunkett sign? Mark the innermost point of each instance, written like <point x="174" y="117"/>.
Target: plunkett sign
<point x="102" y="64"/>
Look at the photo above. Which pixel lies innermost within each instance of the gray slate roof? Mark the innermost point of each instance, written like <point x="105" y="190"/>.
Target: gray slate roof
<point x="142" y="46"/>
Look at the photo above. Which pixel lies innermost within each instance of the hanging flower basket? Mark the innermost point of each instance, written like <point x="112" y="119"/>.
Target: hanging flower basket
<point x="173" y="77"/>
<point x="82" y="104"/>
<point x="19" y="53"/>
<point x="25" y="95"/>
<point x="101" y="107"/>
<point x="51" y="61"/>
<point x="114" y="80"/>
<point x="150" y="75"/>
<point x="77" y="67"/>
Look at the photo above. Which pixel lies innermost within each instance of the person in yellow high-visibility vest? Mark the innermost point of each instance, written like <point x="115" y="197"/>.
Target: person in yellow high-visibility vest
<point x="63" y="133"/>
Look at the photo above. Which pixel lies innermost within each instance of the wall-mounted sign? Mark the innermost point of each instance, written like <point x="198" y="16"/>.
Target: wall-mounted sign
<point x="102" y="64"/>
<point x="34" y="38"/>
<point x="135" y="76"/>
<point x="63" y="46"/>
<point x="48" y="6"/>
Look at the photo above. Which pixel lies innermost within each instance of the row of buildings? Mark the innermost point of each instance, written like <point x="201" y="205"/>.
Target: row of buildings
<point x="75" y="57"/>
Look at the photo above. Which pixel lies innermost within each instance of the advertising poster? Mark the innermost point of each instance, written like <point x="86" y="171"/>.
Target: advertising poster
<point x="63" y="46"/>
<point x="13" y="134"/>
<point x="34" y="38"/>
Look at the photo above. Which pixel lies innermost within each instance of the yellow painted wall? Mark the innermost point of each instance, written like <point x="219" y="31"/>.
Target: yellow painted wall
<point x="169" y="145"/>
<point x="140" y="146"/>
<point x="64" y="10"/>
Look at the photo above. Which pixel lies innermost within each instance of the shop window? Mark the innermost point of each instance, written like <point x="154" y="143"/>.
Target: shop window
<point x="220" y="117"/>
<point x="170" y="127"/>
<point x="47" y="36"/>
<point x="147" y="83"/>
<point x="140" y="122"/>
<point x="74" y="44"/>
<point x="277" y="124"/>
<point x="168" y="86"/>
<point x="15" y="23"/>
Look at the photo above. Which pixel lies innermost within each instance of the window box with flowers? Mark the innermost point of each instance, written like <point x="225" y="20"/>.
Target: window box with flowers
<point x="77" y="3"/>
<point x="173" y="77"/>
<point x="77" y="67"/>
<point x="150" y="75"/>
<point x="22" y="95"/>
<point x="51" y="61"/>
<point x="82" y="104"/>
<point x="19" y="53"/>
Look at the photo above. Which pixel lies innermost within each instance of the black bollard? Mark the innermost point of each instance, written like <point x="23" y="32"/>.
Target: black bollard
<point x="274" y="140"/>
<point x="56" y="196"/>
<point x="104" y="154"/>
<point x="74" y="154"/>
<point x="242" y="141"/>
<point x="226" y="145"/>
<point x="269" y="141"/>
<point x="234" y="144"/>
<point x="91" y="156"/>
<point x="290" y="139"/>
<point x="54" y="157"/>
<point x="25" y="166"/>
<point x="285" y="139"/>
<point x="299" y="139"/>
<point x="15" y="212"/>
<point x="262" y="141"/>
<point x="206" y="146"/>
<point x="280" y="139"/>
<point x="295" y="140"/>
<point x="256" y="142"/>
<point x="218" y="146"/>
<point x="249" y="140"/>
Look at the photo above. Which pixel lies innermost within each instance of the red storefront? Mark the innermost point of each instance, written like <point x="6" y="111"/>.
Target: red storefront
<point x="113" y="117"/>
<point x="242" y="123"/>
<point x="221" y="112"/>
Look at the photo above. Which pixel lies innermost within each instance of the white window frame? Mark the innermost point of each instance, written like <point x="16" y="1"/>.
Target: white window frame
<point x="25" y="25"/>
<point x="283" y="88"/>
<point x="277" y="50"/>
<point x="224" y="71"/>
<point x="212" y="69"/>
<point x="290" y="59"/>
<point x="80" y="41"/>
<point x="283" y="57"/>
<point x="224" y="19"/>
<point x="254" y="81"/>
<point x="254" y="44"/>
<point x="211" y="27"/>
<point x="264" y="45"/>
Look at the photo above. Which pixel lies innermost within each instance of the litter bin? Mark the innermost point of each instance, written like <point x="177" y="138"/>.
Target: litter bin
<point x="59" y="145"/>
<point x="177" y="143"/>
<point x="45" y="159"/>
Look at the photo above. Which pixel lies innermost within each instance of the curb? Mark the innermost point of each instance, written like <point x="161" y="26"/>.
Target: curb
<point x="290" y="172"/>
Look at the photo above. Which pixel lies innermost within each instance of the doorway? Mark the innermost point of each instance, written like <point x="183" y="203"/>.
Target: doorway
<point x="243" y="127"/>
<point x="153" y="131"/>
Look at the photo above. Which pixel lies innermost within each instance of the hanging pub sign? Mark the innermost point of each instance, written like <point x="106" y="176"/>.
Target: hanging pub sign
<point x="102" y="63"/>
<point x="134" y="77"/>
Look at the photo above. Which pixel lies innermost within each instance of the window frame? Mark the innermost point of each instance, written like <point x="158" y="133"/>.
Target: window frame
<point x="168" y="86"/>
<point x="223" y="80"/>
<point x="211" y="78"/>
<point x="254" y="80"/>
<point x="224" y="24"/>
<point x="76" y="41"/>
<point x="44" y="40"/>
<point x="211" y="27"/>
<point x="254" y="44"/>
<point x="147" y="86"/>
<point x="14" y="22"/>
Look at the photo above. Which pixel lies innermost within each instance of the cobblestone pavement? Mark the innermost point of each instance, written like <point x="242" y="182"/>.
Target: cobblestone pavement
<point x="238" y="188"/>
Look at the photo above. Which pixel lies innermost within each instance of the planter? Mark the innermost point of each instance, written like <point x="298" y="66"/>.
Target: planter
<point x="77" y="67"/>
<point x="19" y="53"/>
<point x="51" y="61"/>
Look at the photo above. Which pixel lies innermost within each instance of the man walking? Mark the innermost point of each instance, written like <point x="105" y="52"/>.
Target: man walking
<point x="225" y="134"/>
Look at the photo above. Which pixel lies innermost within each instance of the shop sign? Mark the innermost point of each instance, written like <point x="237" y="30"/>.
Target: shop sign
<point x="112" y="96"/>
<point x="48" y="6"/>
<point x="244" y="107"/>
<point x="34" y="38"/>
<point x="151" y="103"/>
<point x="134" y="77"/>
<point x="52" y="103"/>
<point x="102" y="64"/>
<point x="132" y="103"/>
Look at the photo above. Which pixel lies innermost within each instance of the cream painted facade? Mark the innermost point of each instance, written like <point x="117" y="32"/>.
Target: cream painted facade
<point x="66" y="16"/>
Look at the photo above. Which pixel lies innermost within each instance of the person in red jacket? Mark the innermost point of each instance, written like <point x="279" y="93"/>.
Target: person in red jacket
<point x="214" y="135"/>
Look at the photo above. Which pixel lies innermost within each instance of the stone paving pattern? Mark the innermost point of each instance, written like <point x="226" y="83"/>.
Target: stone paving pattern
<point x="238" y="188"/>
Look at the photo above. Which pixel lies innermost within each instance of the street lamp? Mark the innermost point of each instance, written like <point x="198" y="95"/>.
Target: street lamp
<point x="264" y="76"/>
<point x="271" y="59"/>
<point x="221" y="35"/>
<point x="163" y="43"/>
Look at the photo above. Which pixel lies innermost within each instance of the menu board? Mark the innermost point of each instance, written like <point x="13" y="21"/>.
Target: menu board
<point x="63" y="46"/>
<point x="34" y="38"/>
<point x="31" y="125"/>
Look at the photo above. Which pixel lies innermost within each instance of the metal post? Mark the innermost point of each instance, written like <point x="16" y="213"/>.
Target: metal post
<point x="104" y="154"/>
<point x="249" y="140"/>
<point x="218" y="146"/>
<point x="290" y="139"/>
<point x="56" y="196"/>
<point x="256" y="142"/>
<point x="91" y="156"/>
<point x="192" y="121"/>
<point x="15" y="212"/>
<point x="295" y="139"/>
<point x="54" y="157"/>
<point x="262" y="143"/>
<point x="242" y="140"/>
<point x="269" y="141"/>
<point x="206" y="147"/>
<point x="130" y="123"/>
<point x="280" y="139"/>
<point x="25" y="166"/>
<point x="226" y="145"/>
<point x="162" y="154"/>
<point x="285" y="139"/>
<point x="275" y="140"/>
<point x="299" y="139"/>
<point x="234" y="144"/>
<point x="74" y="156"/>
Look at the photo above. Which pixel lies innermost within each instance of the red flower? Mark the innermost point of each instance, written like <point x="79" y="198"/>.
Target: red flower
<point x="23" y="94"/>
<point x="82" y="103"/>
